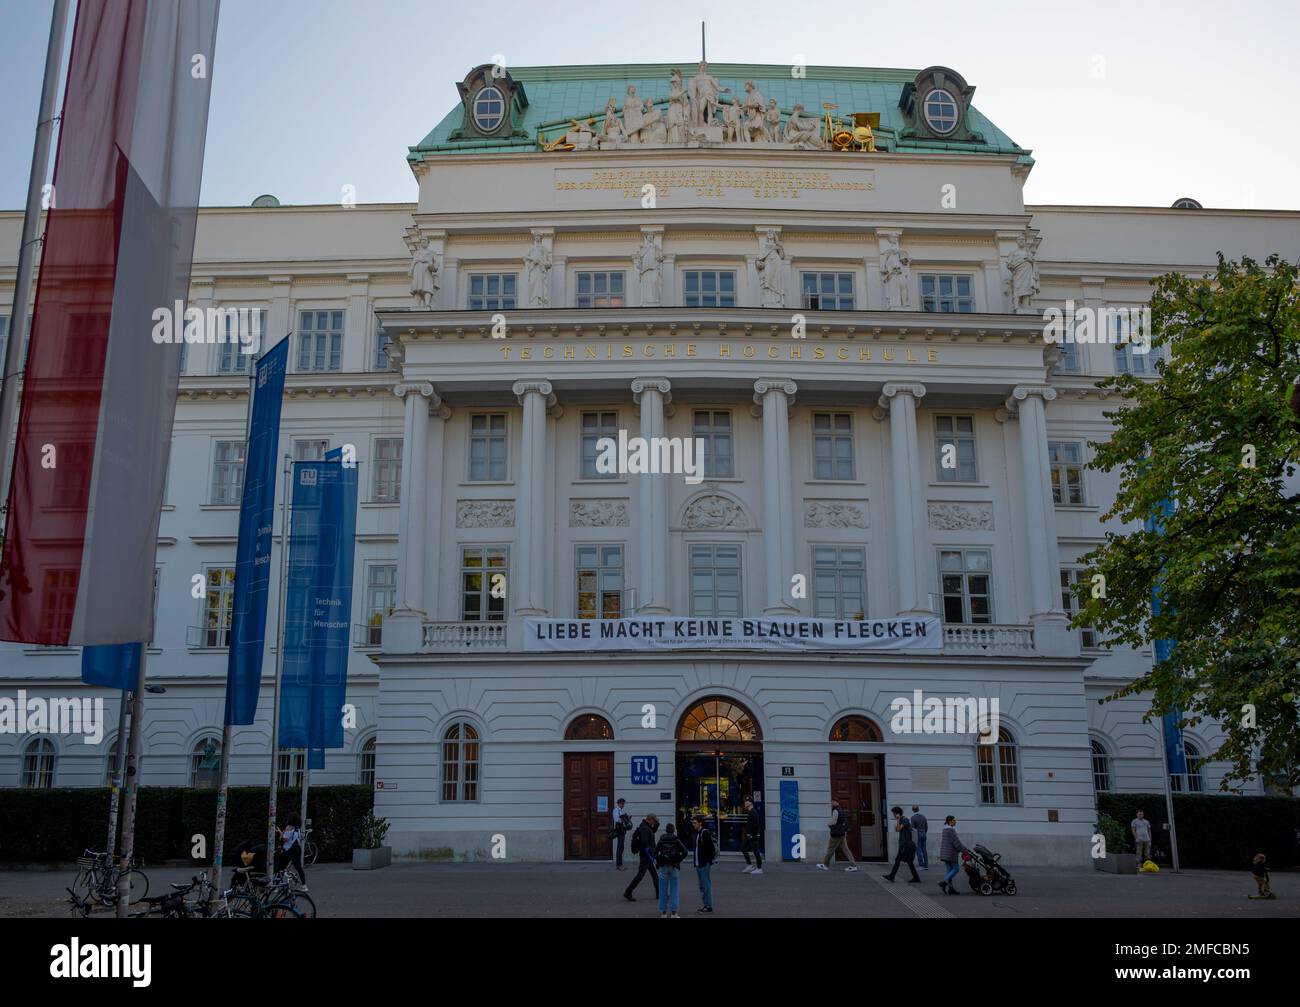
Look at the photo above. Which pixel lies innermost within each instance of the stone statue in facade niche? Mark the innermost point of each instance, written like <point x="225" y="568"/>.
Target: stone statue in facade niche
<point x="895" y="270"/>
<point x="647" y="260"/>
<point x="424" y="275"/>
<point x="771" y="271"/>
<point x="704" y="92"/>
<point x="538" y="266"/>
<point x="802" y="131"/>
<point x="1022" y="273"/>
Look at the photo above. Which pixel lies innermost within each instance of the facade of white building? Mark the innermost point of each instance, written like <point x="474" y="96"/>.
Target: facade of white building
<point x="855" y="335"/>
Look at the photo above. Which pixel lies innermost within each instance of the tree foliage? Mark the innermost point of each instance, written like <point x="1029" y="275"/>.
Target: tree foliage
<point x="1217" y="434"/>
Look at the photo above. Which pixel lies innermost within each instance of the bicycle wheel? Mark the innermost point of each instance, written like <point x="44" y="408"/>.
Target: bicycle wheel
<point x="242" y="905"/>
<point x="304" y="904"/>
<point x="309" y="853"/>
<point x="282" y="911"/>
<point x="137" y="886"/>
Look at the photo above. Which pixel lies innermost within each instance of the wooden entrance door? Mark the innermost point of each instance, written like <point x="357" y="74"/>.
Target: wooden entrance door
<point x="855" y="782"/>
<point x="588" y="805"/>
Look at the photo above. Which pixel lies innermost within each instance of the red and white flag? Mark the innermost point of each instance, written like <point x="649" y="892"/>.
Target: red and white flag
<point x="99" y="394"/>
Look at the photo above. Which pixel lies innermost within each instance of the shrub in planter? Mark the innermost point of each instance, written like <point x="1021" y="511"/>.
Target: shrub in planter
<point x="372" y="853"/>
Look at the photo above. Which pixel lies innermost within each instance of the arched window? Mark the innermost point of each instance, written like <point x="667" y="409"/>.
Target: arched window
<point x="460" y="745"/>
<point x="999" y="765"/>
<point x="1100" y="767"/>
<point x="366" y="763"/>
<point x="489" y="109"/>
<point x="855" y="728"/>
<point x="718" y="719"/>
<point x="38" y="764"/>
<point x="205" y="764"/>
<point x="1195" y="764"/>
<point x="941" y="111"/>
<point x="589" y="727"/>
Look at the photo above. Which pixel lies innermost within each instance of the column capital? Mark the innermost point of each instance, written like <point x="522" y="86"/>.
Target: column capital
<point x="662" y="385"/>
<point x="1022" y="392"/>
<point x="764" y="385"/>
<point x="404" y="388"/>
<point x="542" y="387"/>
<point x="892" y="389"/>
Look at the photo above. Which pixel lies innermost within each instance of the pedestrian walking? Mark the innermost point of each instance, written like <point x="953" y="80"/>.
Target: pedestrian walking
<point x="668" y="855"/>
<point x="919" y="828"/>
<point x="622" y="825"/>
<point x="906" y="847"/>
<point x="706" y="853"/>
<point x="839" y="840"/>
<point x="1141" y="829"/>
<point x="643" y="844"/>
<point x="1259" y="868"/>
<point x="752" y="840"/>
<point x="950" y="850"/>
<point x="290" y="852"/>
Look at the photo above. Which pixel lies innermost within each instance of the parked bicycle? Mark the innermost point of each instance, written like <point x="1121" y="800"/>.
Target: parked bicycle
<point x="97" y="879"/>
<point x="310" y="851"/>
<point x="256" y="895"/>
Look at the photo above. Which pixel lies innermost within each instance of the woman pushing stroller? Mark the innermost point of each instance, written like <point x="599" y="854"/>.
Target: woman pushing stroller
<point x="950" y="850"/>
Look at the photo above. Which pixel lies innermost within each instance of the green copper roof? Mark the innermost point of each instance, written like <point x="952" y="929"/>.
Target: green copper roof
<point x="557" y="94"/>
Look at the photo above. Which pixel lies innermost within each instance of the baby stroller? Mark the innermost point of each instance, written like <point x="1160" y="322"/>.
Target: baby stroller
<point x="992" y="876"/>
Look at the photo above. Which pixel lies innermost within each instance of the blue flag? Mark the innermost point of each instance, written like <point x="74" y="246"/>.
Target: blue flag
<point x="1170" y="722"/>
<point x="115" y="665"/>
<point x="253" y="556"/>
<point x="318" y="605"/>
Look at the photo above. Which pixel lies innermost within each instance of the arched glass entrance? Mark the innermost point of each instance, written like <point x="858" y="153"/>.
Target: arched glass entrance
<point x="719" y="766"/>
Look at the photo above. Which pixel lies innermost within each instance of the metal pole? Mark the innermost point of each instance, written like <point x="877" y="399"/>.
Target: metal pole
<point x="1169" y="800"/>
<point x="119" y="769"/>
<point x="279" y="666"/>
<point x="27" y="248"/>
<point x="306" y="785"/>
<point x="132" y="788"/>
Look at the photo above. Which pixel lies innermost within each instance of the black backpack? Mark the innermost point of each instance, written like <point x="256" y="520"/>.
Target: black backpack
<point x="841" y="826"/>
<point x="671" y="852"/>
<point x="638" y="841"/>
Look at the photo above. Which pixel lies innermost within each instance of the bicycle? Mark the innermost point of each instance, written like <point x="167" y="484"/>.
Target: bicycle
<point x="310" y="851"/>
<point x="96" y="882"/>
<point x="255" y="895"/>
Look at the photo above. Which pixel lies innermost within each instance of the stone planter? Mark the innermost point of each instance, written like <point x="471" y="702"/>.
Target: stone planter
<point x="1117" y="863"/>
<point x="371" y="860"/>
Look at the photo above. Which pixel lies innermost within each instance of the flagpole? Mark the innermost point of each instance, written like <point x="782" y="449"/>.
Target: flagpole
<point x="132" y="789"/>
<point x="279" y="667"/>
<point x="1169" y="799"/>
<point x="27" y="248"/>
<point x="119" y="768"/>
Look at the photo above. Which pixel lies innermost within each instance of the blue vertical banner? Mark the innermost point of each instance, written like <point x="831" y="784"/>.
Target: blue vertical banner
<point x="1170" y="723"/>
<point x="789" y="818"/>
<point x="115" y="665"/>
<point x="253" y="555"/>
<point x="318" y="605"/>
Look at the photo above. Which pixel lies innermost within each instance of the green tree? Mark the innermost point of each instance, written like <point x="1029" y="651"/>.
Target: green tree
<point x="1216" y="434"/>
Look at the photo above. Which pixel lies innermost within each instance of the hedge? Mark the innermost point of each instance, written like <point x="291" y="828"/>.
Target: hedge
<point x="56" y="825"/>
<point x="1215" y="831"/>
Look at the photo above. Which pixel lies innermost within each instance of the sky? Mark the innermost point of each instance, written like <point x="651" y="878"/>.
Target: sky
<point x="1122" y="103"/>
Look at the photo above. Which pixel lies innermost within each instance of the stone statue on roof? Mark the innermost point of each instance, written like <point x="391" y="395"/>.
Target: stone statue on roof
<point x="801" y="131"/>
<point x="633" y="115"/>
<point x="704" y="91"/>
<point x="678" y="108"/>
<point x="611" y="130"/>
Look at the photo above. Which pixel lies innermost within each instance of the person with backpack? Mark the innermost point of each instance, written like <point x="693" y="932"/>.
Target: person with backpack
<point x="950" y="850"/>
<point x="906" y="847"/>
<point x="920" y="826"/>
<point x="669" y="855"/>
<point x="706" y="853"/>
<point x="839" y="825"/>
<point x="643" y="844"/>
<point x="752" y="841"/>
<point x="622" y="825"/>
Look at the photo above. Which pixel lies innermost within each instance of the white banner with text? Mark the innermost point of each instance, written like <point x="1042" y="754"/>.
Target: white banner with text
<point x="672" y="633"/>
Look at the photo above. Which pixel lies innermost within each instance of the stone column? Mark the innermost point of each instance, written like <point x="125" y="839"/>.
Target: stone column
<point x="652" y="394"/>
<point x="898" y="401"/>
<point x="775" y="396"/>
<point x="359" y="324"/>
<point x="439" y="414"/>
<point x="1045" y="613"/>
<point x="527" y="584"/>
<point x="403" y="629"/>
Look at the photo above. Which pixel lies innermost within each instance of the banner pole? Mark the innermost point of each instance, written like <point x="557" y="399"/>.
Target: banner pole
<point x="306" y="786"/>
<point x="132" y="788"/>
<point x="279" y="667"/>
<point x="1169" y="800"/>
<point x="119" y="769"/>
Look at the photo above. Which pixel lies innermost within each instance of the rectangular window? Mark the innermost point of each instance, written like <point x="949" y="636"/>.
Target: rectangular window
<point x="1069" y="577"/>
<point x="954" y="442"/>
<point x="1066" y="458"/>
<point x="491" y="291"/>
<point x="946" y="292"/>
<point x="599" y="290"/>
<point x="58" y="599"/>
<point x="832" y="446"/>
<point x="712" y="427"/>
<point x="251" y="324"/>
<point x="388" y="470"/>
<point x="1129" y="361"/>
<point x="828" y="291"/>
<point x="487" y="447"/>
<point x="320" y="340"/>
<point x="289" y="769"/>
<point x="595" y="426"/>
<point x="71" y="482"/>
<point x="965" y="579"/>
<point x="218" y="605"/>
<point x="382" y="341"/>
<point x="600" y="581"/>
<point x="381" y="597"/>
<point x="310" y="449"/>
<point x="715" y="580"/>
<point x="483" y="583"/>
<point x="709" y="288"/>
<point x="1069" y="358"/>
<point x="839" y="582"/>
<point x="227" y="472"/>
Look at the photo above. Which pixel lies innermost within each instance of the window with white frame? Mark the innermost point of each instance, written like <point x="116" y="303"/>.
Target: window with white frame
<point x="487" y="447"/>
<point x="460" y="745"/>
<point x="310" y="449"/>
<point x="839" y="582"/>
<point x="1100" y="767"/>
<point x="492" y="291"/>
<point x="388" y="470"/>
<point x="946" y="292"/>
<point x="711" y="429"/>
<point x="218" y="606"/>
<point x="205" y="764"/>
<point x="290" y="769"/>
<point x="366" y="763"/>
<point x="709" y="288"/>
<point x="227" y="472"/>
<point x="248" y="323"/>
<point x="489" y="108"/>
<point x="38" y="764"/>
<point x="715" y="580"/>
<point x="1195" y="770"/>
<point x="599" y="290"/>
<point x="483" y="576"/>
<point x="966" y="583"/>
<point x="1066" y="460"/>
<point x="1070" y="576"/>
<point x="999" y="769"/>
<point x="832" y="446"/>
<point x="1070" y="362"/>
<point x="382" y="361"/>
<point x="599" y="578"/>
<point x="597" y="426"/>
<point x="828" y="291"/>
<point x="1133" y="353"/>
<point x="320" y="340"/>
<point x="381" y="599"/>
<point x="954" y="442"/>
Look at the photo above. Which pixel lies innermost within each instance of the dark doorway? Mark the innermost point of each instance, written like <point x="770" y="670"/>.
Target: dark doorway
<point x="715" y="784"/>
<point x="588" y="805"/>
<point x="858" y="783"/>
